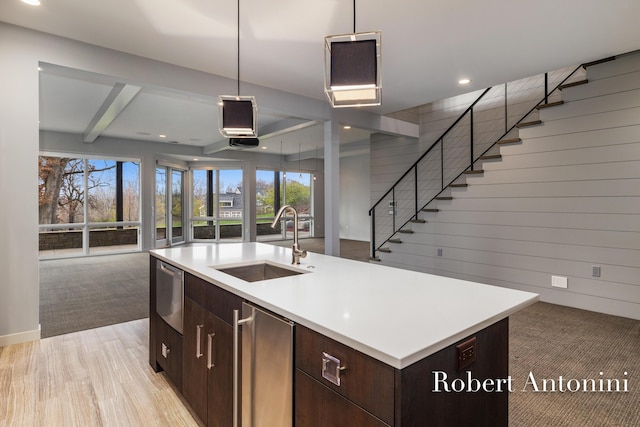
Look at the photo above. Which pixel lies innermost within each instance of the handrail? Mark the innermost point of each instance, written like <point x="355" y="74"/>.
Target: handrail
<point x="430" y="148"/>
<point x="440" y="141"/>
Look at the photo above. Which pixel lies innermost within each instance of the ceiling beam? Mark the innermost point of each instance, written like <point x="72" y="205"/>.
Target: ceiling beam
<point x="117" y="100"/>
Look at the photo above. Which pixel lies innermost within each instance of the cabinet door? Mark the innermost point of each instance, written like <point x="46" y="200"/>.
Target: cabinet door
<point x="169" y="351"/>
<point x="194" y="357"/>
<point x="220" y="376"/>
<point x="318" y="406"/>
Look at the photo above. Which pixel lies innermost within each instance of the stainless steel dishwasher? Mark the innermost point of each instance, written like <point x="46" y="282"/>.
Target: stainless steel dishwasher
<point x="170" y="294"/>
<point x="267" y="368"/>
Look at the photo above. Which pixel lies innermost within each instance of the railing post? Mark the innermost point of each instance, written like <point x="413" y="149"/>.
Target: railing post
<point x="506" y="111"/>
<point x="442" y="163"/>
<point x="373" y="233"/>
<point x="471" y="131"/>
<point x="546" y="88"/>
<point x="393" y="206"/>
<point x="415" y="188"/>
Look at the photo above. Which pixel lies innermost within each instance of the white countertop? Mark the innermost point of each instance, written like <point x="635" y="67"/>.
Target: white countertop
<point x="396" y="316"/>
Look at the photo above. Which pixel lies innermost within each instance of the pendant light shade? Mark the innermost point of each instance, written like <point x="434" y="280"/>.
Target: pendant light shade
<point x="353" y="69"/>
<point x="237" y="116"/>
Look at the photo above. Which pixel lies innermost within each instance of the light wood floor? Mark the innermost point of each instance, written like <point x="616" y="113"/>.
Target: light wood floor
<point x="97" y="377"/>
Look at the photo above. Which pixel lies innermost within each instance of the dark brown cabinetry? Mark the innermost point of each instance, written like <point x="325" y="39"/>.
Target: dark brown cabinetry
<point x="165" y="343"/>
<point x="208" y="351"/>
<point x="374" y="394"/>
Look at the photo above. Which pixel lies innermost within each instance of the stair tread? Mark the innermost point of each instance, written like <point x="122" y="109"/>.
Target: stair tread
<point x="509" y="141"/>
<point x="491" y="157"/>
<point x="550" y="104"/>
<point x="372" y="258"/>
<point x="458" y="185"/>
<point x="430" y="210"/>
<point x="474" y="171"/>
<point x="418" y="221"/>
<point x="444" y="198"/>
<point x="385" y="250"/>
<point x="572" y="84"/>
<point x="599" y="61"/>
<point x="394" y="241"/>
<point x="531" y="123"/>
<point x="405" y="231"/>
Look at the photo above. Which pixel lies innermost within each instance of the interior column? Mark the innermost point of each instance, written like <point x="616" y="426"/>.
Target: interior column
<point x="332" y="188"/>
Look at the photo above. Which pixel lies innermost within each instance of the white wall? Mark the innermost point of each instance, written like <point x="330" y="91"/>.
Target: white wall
<point x="19" y="290"/>
<point x="354" y="197"/>
<point x="564" y="200"/>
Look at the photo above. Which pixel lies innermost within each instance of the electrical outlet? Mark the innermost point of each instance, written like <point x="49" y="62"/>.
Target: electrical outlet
<point x="595" y="271"/>
<point x="559" y="282"/>
<point x="439" y="251"/>
<point x="466" y="353"/>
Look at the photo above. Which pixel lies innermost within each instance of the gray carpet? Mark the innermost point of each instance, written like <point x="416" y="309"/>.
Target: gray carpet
<point x="84" y="293"/>
<point x="551" y="340"/>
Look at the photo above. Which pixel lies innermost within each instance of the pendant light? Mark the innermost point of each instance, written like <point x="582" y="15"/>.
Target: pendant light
<point x="352" y="76"/>
<point x="238" y="114"/>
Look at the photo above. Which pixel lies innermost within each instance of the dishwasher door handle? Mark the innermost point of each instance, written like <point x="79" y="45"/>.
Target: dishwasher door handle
<point x="237" y="322"/>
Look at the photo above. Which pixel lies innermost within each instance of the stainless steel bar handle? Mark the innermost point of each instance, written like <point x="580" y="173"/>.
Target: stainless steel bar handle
<point x="166" y="269"/>
<point x="237" y="322"/>
<point x="210" y="350"/>
<point x="198" y="340"/>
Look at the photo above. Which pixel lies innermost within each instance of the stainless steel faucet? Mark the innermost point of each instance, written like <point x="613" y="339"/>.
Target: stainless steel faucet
<point x="296" y="253"/>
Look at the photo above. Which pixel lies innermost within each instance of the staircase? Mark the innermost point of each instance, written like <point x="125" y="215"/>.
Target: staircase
<point x="557" y="194"/>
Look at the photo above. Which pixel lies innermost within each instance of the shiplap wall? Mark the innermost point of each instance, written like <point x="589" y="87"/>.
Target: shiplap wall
<point x="564" y="200"/>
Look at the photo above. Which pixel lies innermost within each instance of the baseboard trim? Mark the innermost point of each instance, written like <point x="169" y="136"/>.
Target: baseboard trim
<point x="20" y="337"/>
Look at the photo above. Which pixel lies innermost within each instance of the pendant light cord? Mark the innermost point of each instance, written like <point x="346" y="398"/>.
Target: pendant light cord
<point x="354" y="16"/>
<point x="239" y="47"/>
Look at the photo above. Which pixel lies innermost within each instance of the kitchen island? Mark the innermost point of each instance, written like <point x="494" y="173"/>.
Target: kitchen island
<point x="413" y="335"/>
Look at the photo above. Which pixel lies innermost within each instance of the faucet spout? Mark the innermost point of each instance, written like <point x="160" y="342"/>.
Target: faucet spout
<point x="296" y="252"/>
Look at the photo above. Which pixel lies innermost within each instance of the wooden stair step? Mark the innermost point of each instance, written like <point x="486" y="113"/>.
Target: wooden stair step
<point x="491" y="157"/>
<point x="458" y="185"/>
<point x="550" y="104"/>
<point x="394" y="241"/>
<point x="444" y="198"/>
<point x="527" y="124"/>
<point x="405" y="231"/>
<point x="474" y="172"/>
<point x="572" y="84"/>
<point x="509" y="141"/>
<point x="418" y="221"/>
<point x="385" y="250"/>
<point x="430" y="210"/>
<point x="599" y="61"/>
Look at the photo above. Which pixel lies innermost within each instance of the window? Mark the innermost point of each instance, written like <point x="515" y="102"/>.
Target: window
<point x="217" y="204"/>
<point x="275" y="189"/>
<point x="87" y="204"/>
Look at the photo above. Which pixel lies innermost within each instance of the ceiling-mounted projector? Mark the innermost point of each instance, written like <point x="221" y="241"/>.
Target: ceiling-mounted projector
<point x="244" y="142"/>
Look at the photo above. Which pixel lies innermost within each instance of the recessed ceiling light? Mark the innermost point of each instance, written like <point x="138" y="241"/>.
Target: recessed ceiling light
<point x="263" y="147"/>
<point x="464" y="81"/>
<point x="196" y="159"/>
<point x="32" y="2"/>
<point x="347" y="127"/>
<point x="162" y="136"/>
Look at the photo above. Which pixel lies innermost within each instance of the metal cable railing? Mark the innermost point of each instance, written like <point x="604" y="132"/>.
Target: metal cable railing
<point x="492" y="117"/>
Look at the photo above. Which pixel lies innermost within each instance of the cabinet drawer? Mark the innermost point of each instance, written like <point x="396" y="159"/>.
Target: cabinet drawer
<point x="169" y="351"/>
<point x="318" y="406"/>
<point x="365" y="381"/>
<point x="213" y="298"/>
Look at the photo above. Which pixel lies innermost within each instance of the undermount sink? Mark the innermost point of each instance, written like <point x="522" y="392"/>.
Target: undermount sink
<point x="258" y="271"/>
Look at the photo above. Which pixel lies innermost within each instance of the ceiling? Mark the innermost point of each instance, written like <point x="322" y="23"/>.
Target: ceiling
<point x="427" y="46"/>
